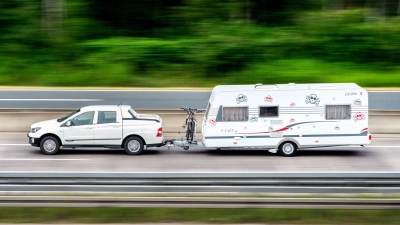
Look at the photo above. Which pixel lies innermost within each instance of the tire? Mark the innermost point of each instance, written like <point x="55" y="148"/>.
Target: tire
<point x="134" y="146"/>
<point x="189" y="132"/>
<point x="49" y="145"/>
<point x="287" y="149"/>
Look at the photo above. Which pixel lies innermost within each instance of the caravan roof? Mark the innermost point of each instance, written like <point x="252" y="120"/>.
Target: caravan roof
<point x="283" y="87"/>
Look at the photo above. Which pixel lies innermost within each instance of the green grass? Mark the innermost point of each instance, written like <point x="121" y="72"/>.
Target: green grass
<point x="197" y="215"/>
<point x="107" y="74"/>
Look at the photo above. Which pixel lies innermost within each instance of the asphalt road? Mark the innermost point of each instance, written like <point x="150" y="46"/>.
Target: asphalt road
<point x="382" y="155"/>
<point x="151" y="99"/>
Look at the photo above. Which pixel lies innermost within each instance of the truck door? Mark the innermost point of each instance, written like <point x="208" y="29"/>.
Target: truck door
<point x="81" y="131"/>
<point x="108" y="128"/>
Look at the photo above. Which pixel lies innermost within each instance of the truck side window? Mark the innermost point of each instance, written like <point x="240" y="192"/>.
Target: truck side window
<point x="269" y="111"/>
<point x="83" y="119"/>
<point x="107" y="117"/>
<point x="235" y="114"/>
<point x="337" y="112"/>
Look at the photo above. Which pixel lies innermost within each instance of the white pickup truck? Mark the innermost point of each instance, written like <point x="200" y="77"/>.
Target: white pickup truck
<point x="99" y="126"/>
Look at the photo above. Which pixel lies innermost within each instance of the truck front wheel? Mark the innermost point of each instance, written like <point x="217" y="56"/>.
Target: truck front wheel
<point x="134" y="146"/>
<point x="49" y="145"/>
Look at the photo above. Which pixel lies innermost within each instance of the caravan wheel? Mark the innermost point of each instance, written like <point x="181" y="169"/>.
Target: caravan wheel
<point x="287" y="148"/>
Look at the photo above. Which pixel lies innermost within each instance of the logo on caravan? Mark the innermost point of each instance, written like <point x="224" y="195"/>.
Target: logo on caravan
<point x="254" y="119"/>
<point x="350" y="93"/>
<point x="213" y="121"/>
<point x="312" y="99"/>
<point x="241" y="98"/>
<point x="268" y="99"/>
<point x="357" y="102"/>
<point x="358" y="116"/>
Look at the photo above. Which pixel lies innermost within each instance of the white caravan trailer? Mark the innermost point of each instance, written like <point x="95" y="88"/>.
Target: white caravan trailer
<point x="286" y="117"/>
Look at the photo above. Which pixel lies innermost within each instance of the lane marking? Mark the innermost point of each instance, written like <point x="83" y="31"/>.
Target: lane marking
<point x="15" y="145"/>
<point x="382" y="146"/>
<point x="42" y="159"/>
<point x="349" y="146"/>
<point x="368" y="146"/>
<point x="52" y="99"/>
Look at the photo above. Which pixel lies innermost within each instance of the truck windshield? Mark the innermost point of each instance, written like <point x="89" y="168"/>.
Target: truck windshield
<point x="67" y="116"/>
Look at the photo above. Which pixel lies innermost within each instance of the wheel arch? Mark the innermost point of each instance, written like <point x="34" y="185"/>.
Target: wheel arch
<point x="132" y="135"/>
<point x="52" y="135"/>
<point x="287" y="140"/>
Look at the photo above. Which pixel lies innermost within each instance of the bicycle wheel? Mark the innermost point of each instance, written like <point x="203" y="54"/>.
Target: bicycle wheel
<point x="189" y="131"/>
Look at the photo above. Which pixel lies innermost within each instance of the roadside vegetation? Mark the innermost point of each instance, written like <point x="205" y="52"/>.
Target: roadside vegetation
<point x="196" y="215"/>
<point x="198" y="43"/>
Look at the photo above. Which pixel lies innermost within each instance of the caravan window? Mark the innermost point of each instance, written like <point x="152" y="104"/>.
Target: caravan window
<point x="269" y="111"/>
<point x="235" y="114"/>
<point x="337" y="112"/>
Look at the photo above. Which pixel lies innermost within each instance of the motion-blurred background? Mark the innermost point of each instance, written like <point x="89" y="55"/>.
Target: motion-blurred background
<point x="161" y="43"/>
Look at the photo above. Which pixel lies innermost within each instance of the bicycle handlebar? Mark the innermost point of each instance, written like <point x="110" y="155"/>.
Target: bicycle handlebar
<point x="190" y="110"/>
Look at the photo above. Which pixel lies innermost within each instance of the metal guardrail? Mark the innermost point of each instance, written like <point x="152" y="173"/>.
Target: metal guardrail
<point x="200" y="202"/>
<point x="274" y="182"/>
<point x="18" y="120"/>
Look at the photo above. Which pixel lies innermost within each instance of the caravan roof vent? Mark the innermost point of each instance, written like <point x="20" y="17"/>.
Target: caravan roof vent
<point x="292" y="84"/>
<point x="266" y="86"/>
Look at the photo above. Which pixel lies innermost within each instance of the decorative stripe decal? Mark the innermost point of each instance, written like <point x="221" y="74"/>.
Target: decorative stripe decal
<point x="365" y="133"/>
<point x="287" y="127"/>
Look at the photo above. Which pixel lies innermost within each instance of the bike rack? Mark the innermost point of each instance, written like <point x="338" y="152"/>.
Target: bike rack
<point x="183" y="144"/>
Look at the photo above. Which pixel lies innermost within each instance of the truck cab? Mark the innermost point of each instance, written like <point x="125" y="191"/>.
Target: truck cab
<point x="99" y="126"/>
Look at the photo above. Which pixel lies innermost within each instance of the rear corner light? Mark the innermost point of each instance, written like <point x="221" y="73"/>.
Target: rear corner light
<point x="370" y="137"/>
<point x="159" y="132"/>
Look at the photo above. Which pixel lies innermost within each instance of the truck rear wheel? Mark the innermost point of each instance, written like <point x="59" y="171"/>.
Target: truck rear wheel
<point x="49" y="145"/>
<point x="134" y="146"/>
<point x="287" y="149"/>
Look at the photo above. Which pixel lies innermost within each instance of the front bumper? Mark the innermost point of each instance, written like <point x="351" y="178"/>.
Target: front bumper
<point x="34" y="141"/>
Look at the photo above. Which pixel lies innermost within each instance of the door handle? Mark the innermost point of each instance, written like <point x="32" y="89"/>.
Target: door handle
<point x="88" y="128"/>
<point x="116" y="126"/>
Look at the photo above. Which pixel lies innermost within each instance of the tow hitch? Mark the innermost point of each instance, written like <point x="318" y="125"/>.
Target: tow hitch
<point x="183" y="144"/>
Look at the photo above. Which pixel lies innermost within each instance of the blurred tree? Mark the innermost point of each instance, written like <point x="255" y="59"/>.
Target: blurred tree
<point x="19" y="25"/>
<point x="18" y="18"/>
<point x="137" y="18"/>
<point x="52" y="17"/>
<point x="197" y="11"/>
<point x="398" y="8"/>
<point x="276" y="12"/>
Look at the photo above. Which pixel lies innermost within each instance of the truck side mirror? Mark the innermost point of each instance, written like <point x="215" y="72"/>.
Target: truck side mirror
<point x="68" y="123"/>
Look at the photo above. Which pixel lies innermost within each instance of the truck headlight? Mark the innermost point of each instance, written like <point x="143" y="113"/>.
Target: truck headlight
<point x="35" y="129"/>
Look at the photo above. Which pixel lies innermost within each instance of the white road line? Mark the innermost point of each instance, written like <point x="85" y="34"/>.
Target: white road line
<point x="367" y="146"/>
<point x="42" y="159"/>
<point x="14" y="144"/>
<point x="52" y="99"/>
<point x="381" y="146"/>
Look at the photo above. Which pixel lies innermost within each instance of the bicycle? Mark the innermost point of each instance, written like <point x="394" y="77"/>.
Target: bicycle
<point x="190" y="123"/>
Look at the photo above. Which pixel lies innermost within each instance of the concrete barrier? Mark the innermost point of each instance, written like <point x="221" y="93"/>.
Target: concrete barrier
<point x="380" y="122"/>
